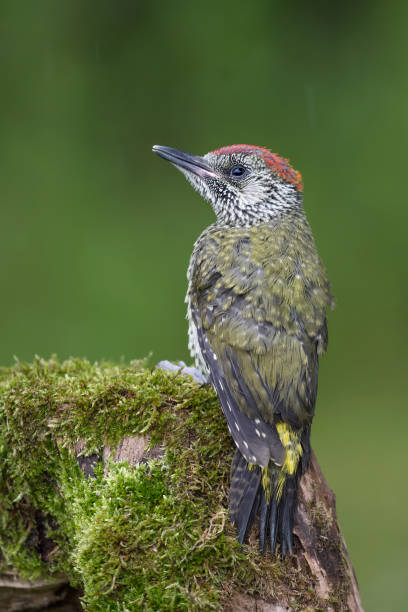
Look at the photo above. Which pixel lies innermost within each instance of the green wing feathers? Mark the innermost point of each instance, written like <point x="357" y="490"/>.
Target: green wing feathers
<point x="261" y="295"/>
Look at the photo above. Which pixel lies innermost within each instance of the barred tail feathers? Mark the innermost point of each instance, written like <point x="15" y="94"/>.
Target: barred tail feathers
<point x="245" y="495"/>
<point x="270" y="492"/>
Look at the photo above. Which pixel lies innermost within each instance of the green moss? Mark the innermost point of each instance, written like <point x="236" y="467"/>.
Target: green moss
<point x="154" y="536"/>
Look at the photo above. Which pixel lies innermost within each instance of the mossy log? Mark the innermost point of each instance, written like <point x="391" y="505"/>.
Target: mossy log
<point x="114" y="480"/>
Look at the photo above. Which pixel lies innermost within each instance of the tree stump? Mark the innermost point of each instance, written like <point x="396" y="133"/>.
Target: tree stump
<point x="319" y="574"/>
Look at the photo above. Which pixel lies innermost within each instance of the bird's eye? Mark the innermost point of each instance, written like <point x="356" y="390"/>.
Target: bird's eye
<point x="238" y="171"/>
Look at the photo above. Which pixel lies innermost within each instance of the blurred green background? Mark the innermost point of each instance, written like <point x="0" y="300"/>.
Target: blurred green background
<point x="96" y="231"/>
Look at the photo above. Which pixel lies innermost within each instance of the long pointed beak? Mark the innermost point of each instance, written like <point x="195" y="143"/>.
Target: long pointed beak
<point x="192" y="163"/>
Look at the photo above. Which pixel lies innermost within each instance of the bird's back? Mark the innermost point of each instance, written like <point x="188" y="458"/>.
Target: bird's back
<point x="260" y="294"/>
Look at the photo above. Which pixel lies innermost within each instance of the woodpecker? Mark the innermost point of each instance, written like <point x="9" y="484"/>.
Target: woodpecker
<point x="257" y="299"/>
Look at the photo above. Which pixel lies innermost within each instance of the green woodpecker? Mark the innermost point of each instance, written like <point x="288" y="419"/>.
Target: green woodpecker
<point x="257" y="299"/>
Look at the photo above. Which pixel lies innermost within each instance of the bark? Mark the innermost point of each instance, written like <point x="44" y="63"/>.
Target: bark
<point x="319" y="550"/>
<point x="54" y="594"/>
<point x="320" y="545"/>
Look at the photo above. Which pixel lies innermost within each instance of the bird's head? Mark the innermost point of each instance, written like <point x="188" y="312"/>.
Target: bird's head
<point x="245" y="185"/>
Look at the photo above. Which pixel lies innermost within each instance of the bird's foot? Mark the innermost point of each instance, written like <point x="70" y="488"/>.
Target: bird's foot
<point x="197" y="375"/>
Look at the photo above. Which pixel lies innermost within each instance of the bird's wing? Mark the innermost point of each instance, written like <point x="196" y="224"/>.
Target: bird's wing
<point x="257" y="389"/>
<point x="257" y="440"/>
